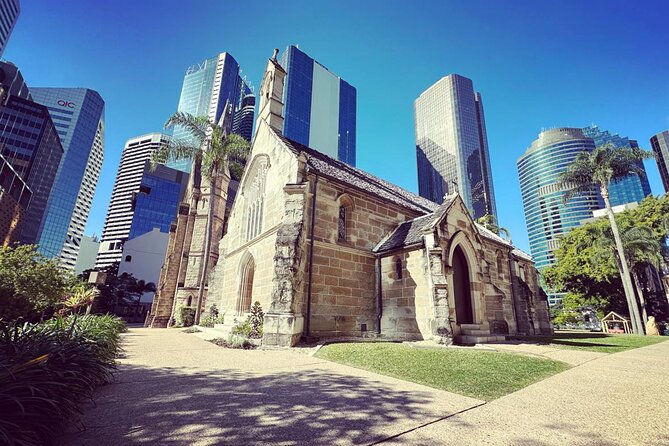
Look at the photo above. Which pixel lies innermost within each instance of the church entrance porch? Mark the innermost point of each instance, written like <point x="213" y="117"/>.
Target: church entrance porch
<point x="462" y="288"/>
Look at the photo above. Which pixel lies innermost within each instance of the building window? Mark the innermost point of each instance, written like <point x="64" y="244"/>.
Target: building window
<point x="128" y="258"/>
<point x="246" y="288"/>
<point x="500" y="264"/>
<point x="342" y="224"/>
<point x="398" y="269"/>
<point x="254" y="196"/>
<point x="189" y="302"/>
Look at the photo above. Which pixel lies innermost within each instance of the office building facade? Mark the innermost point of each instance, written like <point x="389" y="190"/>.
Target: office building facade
<point x="30" y="143"/>
<point x="242" y="123"/>
<point x="15" y="198"/>
<point x="136" y="154"/>
<point x="452" y="145"/>
<point x="78" y="114"/>
<point x="319" y="107"/>
<point x="207" y="87"/>
<point x="633" y="188"/>
<point x="9" y="13"/>
<point x="660" y="145"/>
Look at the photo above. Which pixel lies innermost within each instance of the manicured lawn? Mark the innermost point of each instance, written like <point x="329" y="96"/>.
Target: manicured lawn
<point x="594" y="342"/>
<point x="479" y="374"/>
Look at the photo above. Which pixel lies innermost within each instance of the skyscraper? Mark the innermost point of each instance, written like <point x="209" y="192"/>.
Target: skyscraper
<point x="633" y="188"/>
<point x="30" y="143"/>
<point x="546" y="214"/>
<point x="131" y="168"/>
<point x="15" y="198"/>
<point x="660" y="145"/>
<point x="319" y="107"/>
<point x="9" y="13"/>
<point x="452" y="145"/>
<point x="207" y="87"/>
<point x="242" y="123"/>
<point x="78" y="114"/>
<point x="142" y="199"/>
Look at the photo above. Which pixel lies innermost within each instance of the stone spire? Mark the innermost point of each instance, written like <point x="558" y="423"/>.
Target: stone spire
<point x="271" y="95"/>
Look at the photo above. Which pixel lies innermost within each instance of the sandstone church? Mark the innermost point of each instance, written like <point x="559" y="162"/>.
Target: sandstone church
<point x="331" y="251"/>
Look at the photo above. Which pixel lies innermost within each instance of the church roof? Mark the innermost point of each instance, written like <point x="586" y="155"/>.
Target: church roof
<point x="342" y="172"/>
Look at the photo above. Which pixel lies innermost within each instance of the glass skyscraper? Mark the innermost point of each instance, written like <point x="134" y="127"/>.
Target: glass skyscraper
<point x="452" y="145"/>
<point x="9" y="13"/>
<point x="78" y="114"/>
<point x="319" y="107"/>
<point x="30" y="143"/>
<point x="632" y="188"/>
<point x="207" y="87"/>
<point x="660" y="145"/>
<point x="141" y="199"/>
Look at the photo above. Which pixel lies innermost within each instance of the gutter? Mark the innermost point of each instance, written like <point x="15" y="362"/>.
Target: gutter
<point x="379" y="297"/>
<point x="311" y="252"/>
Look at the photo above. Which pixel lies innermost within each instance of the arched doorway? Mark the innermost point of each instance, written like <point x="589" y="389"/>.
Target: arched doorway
<point x="462" y="288"/>
<point x="246" y="288"/>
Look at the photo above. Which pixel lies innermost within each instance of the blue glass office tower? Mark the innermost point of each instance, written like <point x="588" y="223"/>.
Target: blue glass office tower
<point x="660" y="145"/>
<point x="207" y="87"/>
<point x="546" y="215"/>
<point x="452" y="145"/>
<point x="630" y="189"/>
<point x="9" y="13"/>
<point x="78" y="114"/>
<point x="30" y="143"/>
<point x="319" y="107"/>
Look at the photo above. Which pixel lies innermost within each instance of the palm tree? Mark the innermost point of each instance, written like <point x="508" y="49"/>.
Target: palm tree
<point x="641" y="248"/>
<point x="489" y="222"/>
<point x="214" y="151"/>
<point x="599" y="168"/>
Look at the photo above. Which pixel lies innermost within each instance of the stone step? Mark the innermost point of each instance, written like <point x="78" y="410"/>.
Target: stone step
<point x="470" y="326"/>
<point x="473" y="340"/>
<point x="478" y="332"/>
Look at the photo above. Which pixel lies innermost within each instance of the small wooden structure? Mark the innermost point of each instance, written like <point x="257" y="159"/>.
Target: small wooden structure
<point x="615" y="323"/>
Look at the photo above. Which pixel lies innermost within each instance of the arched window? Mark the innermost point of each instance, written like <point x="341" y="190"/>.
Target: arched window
<point x="341" y="228"/>
<point x="246" y="287"/>
<point x="254" y="197"/>
<point x="500" y="264"/>
<point x="128" y="258"/>
<point x="189" y="301"/>
<point x="343" y="222"/>
<point x="398" y="268"/>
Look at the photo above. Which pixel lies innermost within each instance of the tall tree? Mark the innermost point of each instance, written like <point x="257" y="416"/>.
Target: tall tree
<point x="607" y="163"/>
<point x="214" y="151"/>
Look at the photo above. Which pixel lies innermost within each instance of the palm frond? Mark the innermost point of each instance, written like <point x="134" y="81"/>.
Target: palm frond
<point x="196" y="126"/>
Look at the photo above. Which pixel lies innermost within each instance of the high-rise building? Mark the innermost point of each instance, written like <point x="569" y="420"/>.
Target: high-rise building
<point x="546" y="214"/>
<point x="9" y="13"/>
<point x="633" y="188"/>
<point x="242" y="123"/>
<point x="131" y="168"/>
<point x="88" y="251"/>
<point x="207" y="87"/>
<point x="660" y="145"/>
<point x="319" y="107"/>
<point x="15" y="198"/>
<point x="142" y="199"/>
<point x="29" y="142"/>
<point x="78" y="114"/>
<point x="452" y="145"/>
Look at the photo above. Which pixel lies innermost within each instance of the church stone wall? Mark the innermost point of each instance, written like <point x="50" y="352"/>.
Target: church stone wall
<point x="343" y="296"/>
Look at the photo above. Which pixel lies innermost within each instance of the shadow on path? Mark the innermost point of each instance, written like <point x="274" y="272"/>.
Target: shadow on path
<point x="174" y="407"/>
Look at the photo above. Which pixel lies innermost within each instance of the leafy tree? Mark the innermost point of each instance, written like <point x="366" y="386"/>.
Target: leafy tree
<point x="30" y="284"/>
<point x="214" y="151"/>
<point x="599" y="168"/>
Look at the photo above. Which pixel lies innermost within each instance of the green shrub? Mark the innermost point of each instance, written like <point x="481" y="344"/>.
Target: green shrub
<point x="256" y="320"/>
<point x="187" y="316"/>
<point x="211" y="318"/>
<point x="243" y="329"/>
<point x="48" y="370"/>
<point x="192" y="330"/>
<point x="234" y="341"/>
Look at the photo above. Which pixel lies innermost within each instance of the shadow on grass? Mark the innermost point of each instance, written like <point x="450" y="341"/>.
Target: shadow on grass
<point x="174" y="407"/>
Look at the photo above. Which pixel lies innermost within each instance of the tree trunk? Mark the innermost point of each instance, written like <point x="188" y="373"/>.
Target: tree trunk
<point x="207" y="244"/>
<point x="642" y="300"/>
<point x="625" y="276"/>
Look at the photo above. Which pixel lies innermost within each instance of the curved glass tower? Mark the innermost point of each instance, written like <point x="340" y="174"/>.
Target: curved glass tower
<point x="546" y="214"/>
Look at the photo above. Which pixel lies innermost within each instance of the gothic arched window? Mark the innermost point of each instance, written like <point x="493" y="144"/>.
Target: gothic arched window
<point x="500" y="264"/>
<point x="343" y="222"/>
<point x="254" y="198"/>
<point x="246" y="288"/>
<point x="398" y="268"/>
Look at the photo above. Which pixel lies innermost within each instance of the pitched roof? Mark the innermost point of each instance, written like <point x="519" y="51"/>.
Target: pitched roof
<point x="342" y="172"/>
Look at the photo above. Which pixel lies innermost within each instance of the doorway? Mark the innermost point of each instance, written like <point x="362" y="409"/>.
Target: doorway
<point x="462" y="288"/>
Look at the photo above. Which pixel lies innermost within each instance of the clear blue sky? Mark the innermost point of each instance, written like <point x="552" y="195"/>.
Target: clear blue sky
<point x="537" y="64"/>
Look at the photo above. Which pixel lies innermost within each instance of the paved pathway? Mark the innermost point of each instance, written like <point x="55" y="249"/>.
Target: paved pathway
<point x="176" y="389"/>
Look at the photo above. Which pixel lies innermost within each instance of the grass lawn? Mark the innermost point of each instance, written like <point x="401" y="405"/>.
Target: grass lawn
<point x="479" y="374"/>
<point x="594" y="342"/>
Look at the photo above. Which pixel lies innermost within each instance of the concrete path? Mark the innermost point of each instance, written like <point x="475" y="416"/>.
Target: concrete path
<point x="176" y="389"/>
<point x="571" y="357"/>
